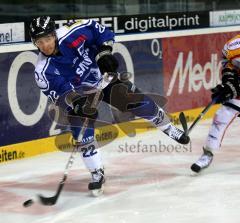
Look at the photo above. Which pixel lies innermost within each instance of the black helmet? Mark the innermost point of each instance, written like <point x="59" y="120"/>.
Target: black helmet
<point x="41" y="26"/>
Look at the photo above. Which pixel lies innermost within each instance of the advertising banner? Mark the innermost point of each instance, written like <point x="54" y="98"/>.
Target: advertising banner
<point x="12" y="32"/>
<point x="156" y="22"/>
<point x="24" y="114"/>
<point x="191" y="67"/>
<point x="224" y="18"/>
<point x="146" y="22"/>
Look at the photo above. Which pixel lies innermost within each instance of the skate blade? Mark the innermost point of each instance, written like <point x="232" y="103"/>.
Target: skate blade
<point x="97" y="192"/>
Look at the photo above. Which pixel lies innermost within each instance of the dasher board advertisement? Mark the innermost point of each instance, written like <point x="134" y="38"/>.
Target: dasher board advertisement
<point x="12" y="32"/>
<point x="191" y="67"/>
<point x="24" y="110"/>
<point x="129" y="24"/>
<point x="225" y="18"/>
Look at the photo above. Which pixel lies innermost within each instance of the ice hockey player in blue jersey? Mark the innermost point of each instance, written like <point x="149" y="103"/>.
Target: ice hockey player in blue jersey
<point x="71" y="63"/>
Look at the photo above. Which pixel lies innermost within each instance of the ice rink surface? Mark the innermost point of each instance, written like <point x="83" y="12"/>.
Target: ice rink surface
<point x="143" y="185"/>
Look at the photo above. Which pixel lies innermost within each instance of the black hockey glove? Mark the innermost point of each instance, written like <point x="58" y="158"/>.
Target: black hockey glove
<point x="229" y="88"/>
<point x="106" y="61"/>
<point x="82" y="108"/>
<point x="222" y="93"/>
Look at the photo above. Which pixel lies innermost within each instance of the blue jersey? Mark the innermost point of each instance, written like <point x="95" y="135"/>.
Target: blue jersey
<point x="75" y="67"/>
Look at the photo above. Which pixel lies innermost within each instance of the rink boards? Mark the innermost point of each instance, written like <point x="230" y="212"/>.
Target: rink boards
<point x="181" y="66"/>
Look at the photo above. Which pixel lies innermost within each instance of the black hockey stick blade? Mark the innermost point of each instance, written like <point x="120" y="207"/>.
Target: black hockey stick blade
<point x="183" y="120"/>
<point x="49" y="201"/>
<point x="52" y="200"/>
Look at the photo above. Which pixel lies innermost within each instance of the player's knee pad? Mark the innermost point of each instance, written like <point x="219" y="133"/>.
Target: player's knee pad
<point x="222" y="119"/>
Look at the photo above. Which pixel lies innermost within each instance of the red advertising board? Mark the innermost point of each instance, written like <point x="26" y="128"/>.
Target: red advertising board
<point x="191" y="67"/>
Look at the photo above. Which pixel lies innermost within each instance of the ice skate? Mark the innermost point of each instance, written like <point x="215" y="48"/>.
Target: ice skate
<point x="96" y="186"/>
<point x="177" y="134"/>
<point x="203" y="162"/>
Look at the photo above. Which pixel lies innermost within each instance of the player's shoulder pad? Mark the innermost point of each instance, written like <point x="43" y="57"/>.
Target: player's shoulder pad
<point x="67" y="29"/>
<point x="42" y="63"/>
<point x="40" y="69"/>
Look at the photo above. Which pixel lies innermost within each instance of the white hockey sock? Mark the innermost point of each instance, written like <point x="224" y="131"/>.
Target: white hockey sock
<point x="161" y="120"/>
<point x="91" y="156"/>
<point x="164" y="127"/>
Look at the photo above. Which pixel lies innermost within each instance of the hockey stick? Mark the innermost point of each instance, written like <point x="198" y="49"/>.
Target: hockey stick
<point x="183" y="119"/>
<point x="107" y="78"/>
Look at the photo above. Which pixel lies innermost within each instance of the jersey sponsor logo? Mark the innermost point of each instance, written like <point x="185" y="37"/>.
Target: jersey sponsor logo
<point x="233" y="45"/>
<point x="77" y="41"/>
<point x="84" y="65"/>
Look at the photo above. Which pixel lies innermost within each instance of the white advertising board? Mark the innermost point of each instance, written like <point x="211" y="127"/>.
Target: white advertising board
<point x="224" y="18"/>
<point x="12" y="32"/>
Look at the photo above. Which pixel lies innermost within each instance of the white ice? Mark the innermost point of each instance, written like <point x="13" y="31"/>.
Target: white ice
<point x="141" y="186"/>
